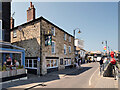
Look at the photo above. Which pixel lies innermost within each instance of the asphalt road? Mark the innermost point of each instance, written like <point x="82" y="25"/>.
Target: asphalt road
<point x="84" y="78"/>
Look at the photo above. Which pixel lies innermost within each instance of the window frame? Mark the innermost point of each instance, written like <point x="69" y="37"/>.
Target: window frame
<point x="65" y="36"/>
<point x="53" y="63"/>
<point x="65" y="49"/>
<point x="54" y="48"/>
<point x="1" y="24"/>
<point x="14" y="33"/>
<point x="69" y="47"/>
<point x="67" y="62"/>
<point x="69" y="38"/>
<point x="53" y="31"/>
<point x="27" y="60"/>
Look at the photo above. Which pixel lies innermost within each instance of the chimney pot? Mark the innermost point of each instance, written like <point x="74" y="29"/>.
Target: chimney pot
<point x="30" y="13"/>
<point x="30" y="4"/>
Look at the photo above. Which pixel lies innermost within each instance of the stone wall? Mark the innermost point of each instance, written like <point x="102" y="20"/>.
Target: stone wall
<point x="28" y="37"/>
<point x="59" y="45"/>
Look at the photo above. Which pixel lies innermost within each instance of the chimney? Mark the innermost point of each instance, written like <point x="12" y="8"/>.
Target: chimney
<point x="11" y="23"/>
<point x="31" y="13"/>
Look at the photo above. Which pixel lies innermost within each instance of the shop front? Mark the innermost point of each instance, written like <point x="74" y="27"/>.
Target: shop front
<point x="12" y="62"/>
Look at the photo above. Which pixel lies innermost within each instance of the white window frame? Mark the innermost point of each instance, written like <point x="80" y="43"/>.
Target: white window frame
<point x="1" y="24"/>
<point x="65" y="49"/>
<point x="53" y="62"/>
<point x="67" y="62"/>
<point x="14" y="33"/>
<point x="53" y="31"/>
<point x="32" y="64"/>
<point x="69" y="38"/>
<point x="69" y="49"/>
<point x="65" y="35"/>
<point x="54" y="47"/>
<point x="1" y="30"/>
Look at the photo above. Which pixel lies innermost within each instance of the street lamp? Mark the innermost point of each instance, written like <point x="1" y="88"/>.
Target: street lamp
<point x="75" y="30"/>
<point x="74" y="37"/>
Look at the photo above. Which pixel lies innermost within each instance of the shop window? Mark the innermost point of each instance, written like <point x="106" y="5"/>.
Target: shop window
<point x="48" y="63"/>
<point x="31" y="63"/>
<point x="67" y="62"/>
<point x="35" y="63"/>
<point x="51" y="63"/>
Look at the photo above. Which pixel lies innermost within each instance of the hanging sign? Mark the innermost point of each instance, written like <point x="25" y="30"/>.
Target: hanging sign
<point x="48" y="40"/>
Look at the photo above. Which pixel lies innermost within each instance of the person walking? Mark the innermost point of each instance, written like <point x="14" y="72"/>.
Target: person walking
<point x="114" y="64"/>
<point x="101" y="65"/>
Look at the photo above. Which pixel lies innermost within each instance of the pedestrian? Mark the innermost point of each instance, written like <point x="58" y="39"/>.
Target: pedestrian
<point x="101" y="65"/>
<point x="76" y="64"/>
<point x="114" y="64"/>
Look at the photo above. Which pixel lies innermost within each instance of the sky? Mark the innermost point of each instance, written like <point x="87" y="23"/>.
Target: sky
<point x="98" y="21"/>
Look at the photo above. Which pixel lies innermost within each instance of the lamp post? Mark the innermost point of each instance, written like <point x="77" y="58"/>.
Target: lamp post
<point x="74" y="37"/>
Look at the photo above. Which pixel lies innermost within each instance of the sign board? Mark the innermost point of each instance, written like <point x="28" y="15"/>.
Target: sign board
<point x="38" y="59"/>
<point x="48" y="40"/>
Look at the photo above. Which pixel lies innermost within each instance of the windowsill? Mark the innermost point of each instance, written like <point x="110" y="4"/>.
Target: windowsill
<point x="14" y="37"/>
<point x="53" y="53"/>
<point x="68" y="65"/>
<point x="52" y="67"/>
<point x="30" y="67"/>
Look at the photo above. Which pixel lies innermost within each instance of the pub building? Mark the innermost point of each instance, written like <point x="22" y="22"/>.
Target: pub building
<point x="47" y="47"/>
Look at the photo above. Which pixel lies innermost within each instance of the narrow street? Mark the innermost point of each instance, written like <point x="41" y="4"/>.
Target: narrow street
<point x="87" y="77"/>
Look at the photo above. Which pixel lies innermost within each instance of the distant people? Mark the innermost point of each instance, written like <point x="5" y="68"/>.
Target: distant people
<point x="16" y="63"/>
<point x="101" y="65"/>
<point x="79" y="63"/>
<point x="4" y="66"/>
<point x="76" y="64"/>
<point x="9" y="62"/>
<point x="114" y="64"/>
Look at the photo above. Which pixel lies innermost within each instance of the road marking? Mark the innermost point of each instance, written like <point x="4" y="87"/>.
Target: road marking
<point x="91" y="77"/>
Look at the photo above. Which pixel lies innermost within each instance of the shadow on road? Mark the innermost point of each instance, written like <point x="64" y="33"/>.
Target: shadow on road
<point x="48" y="77"/>
<point x="79" y="71"/>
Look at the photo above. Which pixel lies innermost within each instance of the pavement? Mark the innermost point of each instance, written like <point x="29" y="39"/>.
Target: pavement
<point x="85" y="77"/>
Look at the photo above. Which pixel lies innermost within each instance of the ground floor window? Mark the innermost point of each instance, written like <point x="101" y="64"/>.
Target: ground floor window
<point x="31" y="63"/>
<point x="52" y="63"/>
<point x="67" y="62"/>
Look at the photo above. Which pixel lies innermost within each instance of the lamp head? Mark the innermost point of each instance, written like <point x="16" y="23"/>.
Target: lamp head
<point x="79" y="31"/>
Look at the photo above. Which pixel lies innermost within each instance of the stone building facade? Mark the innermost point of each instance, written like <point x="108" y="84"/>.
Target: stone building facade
<point x="47" y="47"/>
<point x="31" y="36"/>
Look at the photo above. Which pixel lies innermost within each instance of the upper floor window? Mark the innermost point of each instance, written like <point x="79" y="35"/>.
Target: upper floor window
<point x="69" y="38"/>
<point x="69" y="49"/>
<point x="53" y="31"/>
<point x="14" y="33"/>
<point x="53" y="47"/>
<point x="0" y="24"/>
<point x="65" y="36"/>
<point x="1" y="32"/>
<point x="64" y="49"/>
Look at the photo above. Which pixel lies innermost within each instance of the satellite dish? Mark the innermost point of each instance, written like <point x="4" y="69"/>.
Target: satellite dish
<point x="13" y="14"/>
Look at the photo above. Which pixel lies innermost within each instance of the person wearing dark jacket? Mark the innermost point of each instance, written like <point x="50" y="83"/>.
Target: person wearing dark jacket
<point x="101" y="65"/>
